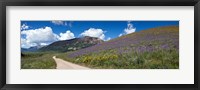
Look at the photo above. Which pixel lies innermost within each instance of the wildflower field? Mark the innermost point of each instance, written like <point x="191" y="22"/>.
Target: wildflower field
<point x="156" y="48"/>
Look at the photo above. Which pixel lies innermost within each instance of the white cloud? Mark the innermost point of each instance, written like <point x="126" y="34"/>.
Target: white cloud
<point x="43" y="44"/>
<point x="37" y="36"/>
<point x="108" y="39"/>
<point x="26" y="44"/>
<point x="130" y="29"/>
<point x="92" y="32"/>
<point x="43" y="36"/>
<point x="59" y="22"/>
<point x="120" y="34"/>
<point x="63" y="23"/>
<point x="70" y="24"/>
<point x="24" y="27"/>
<point x="66" y="36"/>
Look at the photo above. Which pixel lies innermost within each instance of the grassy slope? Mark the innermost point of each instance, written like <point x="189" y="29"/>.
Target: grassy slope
<point x="132" y="57"/>
<point x="38" y="60"/>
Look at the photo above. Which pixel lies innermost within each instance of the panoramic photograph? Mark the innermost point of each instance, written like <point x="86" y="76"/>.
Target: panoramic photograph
<point x="107" y="44"/>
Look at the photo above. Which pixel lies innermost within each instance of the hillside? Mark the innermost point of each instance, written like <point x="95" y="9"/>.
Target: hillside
<point x="156" y="48"/>
<point x="72" y="45"/>
<point x="146" y="40"/>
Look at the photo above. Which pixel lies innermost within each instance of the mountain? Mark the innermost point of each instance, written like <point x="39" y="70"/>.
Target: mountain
<point x="72" y="44"/>
<point x="150" y="40"/>
<point x="31" y="49"/>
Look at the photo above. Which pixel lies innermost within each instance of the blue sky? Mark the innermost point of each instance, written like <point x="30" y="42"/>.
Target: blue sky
<point x="35" y="33"/>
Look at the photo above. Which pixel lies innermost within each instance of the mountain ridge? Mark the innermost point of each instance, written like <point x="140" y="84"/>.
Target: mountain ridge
<point x="72" y="44"/>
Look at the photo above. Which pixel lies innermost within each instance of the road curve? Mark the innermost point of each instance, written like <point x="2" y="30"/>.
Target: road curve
<point x="62" y="64"/>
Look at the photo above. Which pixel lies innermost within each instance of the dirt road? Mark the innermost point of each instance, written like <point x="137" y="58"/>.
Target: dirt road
<point x="62" y="64"/>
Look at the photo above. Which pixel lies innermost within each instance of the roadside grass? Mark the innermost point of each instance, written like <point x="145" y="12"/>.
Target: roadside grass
<point x="38" y="60"/>
<point x="108" y="59"/>
<point x="162" y="59"/>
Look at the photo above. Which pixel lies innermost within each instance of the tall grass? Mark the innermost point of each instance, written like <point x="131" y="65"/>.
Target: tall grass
<point x="109" y="59"/>
<point x="38" y="60"/>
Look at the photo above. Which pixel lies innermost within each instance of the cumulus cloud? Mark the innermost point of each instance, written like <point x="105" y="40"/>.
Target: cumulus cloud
<point x="37" y="36"/>
<point x="26" y="44"/>
<point x="43" y="36"/>
<point x="66" y="36"/>
<point x="44" y="44"/>
<point x="40" y="35"/>
<point x="24" y="27"/>
<point x="120" y="34"/>
<point x="108" y="39"/>
<point x="59" y="22"/>
<point x="129" y="29"/>
<point x="93" y="32"/>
